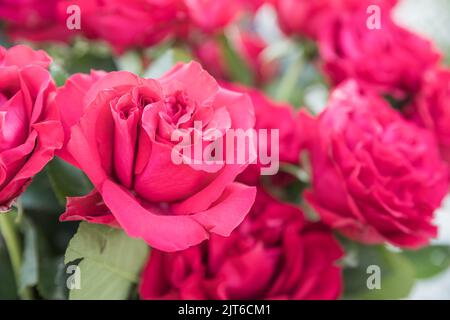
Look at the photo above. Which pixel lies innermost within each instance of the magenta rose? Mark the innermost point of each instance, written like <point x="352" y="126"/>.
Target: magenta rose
<point x="30" y="130"/>
<point x="309" y="17"/>
<point x="375" y="176"/>
<point x="274" y="254"/>
<point x="431" y="108"/>
<point x="120" y="130"/>
<point x="390" y="60"/>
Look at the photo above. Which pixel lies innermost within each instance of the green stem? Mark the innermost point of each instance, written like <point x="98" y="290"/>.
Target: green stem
<point x="12" y="240"/>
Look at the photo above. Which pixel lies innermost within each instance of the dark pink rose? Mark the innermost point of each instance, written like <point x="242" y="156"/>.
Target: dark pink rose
<point x="376" y="177"/>
<point x="309" y="17"/>
<point x="274" y="254"/>
<point x="120" y="131"/>
<point x="431" y="108"/>
<point x="390" y="60"/>
<point x="271" y="115"/>
<point x="34" y="20"/>
<point x="30" y="130"/>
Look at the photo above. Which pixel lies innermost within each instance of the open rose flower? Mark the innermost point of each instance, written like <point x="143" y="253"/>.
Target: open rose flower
<point x="309" y="17"/>
<point x="390" y="60"/>
<point x="120" y="130"/>
<point x="431" y="108"/>
<point x="30" y="130"/>
<point x="376" y="177"/>
<point x="274" y="254"/>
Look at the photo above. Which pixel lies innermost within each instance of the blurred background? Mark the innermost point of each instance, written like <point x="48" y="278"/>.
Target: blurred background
<point x="431" y="19"/>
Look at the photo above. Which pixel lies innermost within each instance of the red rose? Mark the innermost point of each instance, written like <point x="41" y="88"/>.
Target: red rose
<point x="121" y="130"/>
<point x="376" y="177"/>
<point x="30" y="130"/>
<point x="431" y="108"/>
<point x="274" y="254"/>
<point x="390" y="60"/>
<point x="309" y="17"/>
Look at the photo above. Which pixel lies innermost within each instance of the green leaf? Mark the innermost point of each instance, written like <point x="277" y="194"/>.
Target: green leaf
<point x="110" y="262"/>
<point x="7" y="280"/>
<point x="238" y="68"/>
<point x="429" y="261"/>
<point x="29" y="272"/>
<point x="397" y="274"/>
<point x="66" y="180"/>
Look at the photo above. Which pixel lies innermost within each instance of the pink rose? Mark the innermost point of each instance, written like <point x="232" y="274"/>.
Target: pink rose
<point x="390" y="60"/>
<point x="272" y="115"/>
<point x="431" y="108"/>
<point x="30" y="130"/>
<point x="274" y="254"/>
<point x="376" y="177"/>
<point x="309" y="17"/>
<point x="121" y="128"/>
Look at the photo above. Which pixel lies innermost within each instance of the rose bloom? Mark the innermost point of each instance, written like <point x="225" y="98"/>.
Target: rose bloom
<point x="250" y="48"/>
<point x="390" y="60"/>
<point x="30" y="130"/>
<point x="274" y="254"/>
<point x="376" y="177"/>
<point x="431" y="108"/>
<point x="120" y="131"/>
<point x="34" y="20"/>
<point x="272" y="115"/>
<point x="309" y="17"/>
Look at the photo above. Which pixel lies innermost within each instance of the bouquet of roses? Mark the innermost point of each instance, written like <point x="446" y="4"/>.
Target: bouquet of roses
<point x="200" y="149"/>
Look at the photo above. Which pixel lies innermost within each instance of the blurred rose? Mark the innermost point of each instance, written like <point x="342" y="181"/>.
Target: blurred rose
<point x="274" y="254"/>
<point x="272" y="115"/>
<point x="213" y="15"/>
<point x="376" y="177"/>
<point x="309" y="17"/>
<point x="390" y="60"/>
<point x="250" y="48"/>
<point x="34" y="20"/>
<point x="130" y="24"/>
<point x="30" y="130"/>
<point x="121" y="128"/>
<point x="431" y="108"/>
